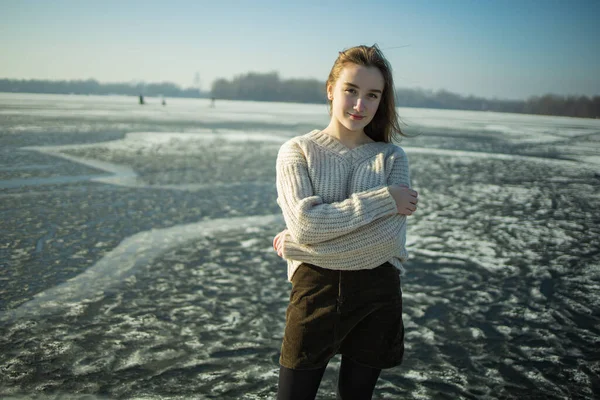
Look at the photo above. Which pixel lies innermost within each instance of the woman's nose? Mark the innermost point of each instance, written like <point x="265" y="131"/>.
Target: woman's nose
<point x="359" y="106"/>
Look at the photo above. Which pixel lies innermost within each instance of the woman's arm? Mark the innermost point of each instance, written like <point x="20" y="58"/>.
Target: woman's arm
<point x="397" y="170"/>
<point x="367" y="247"/>
<point x="310" y="220"/>
<point x="380" y="236"/>
<point x="399" y="180"/>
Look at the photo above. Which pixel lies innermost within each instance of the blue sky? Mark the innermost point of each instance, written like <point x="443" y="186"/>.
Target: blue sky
<point x="504" y="49"/>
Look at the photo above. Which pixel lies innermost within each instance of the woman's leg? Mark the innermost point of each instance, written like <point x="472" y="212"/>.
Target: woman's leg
<point x="356" y="381"/>
<point x="299" y="384"/>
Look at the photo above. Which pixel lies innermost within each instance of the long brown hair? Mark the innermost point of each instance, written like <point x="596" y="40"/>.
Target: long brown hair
<point x="384" y="126"/>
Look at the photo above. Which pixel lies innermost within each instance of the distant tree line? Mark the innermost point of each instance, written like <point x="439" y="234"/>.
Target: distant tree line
<point x="91" y="86"/>
<point x="549" y="104"/>
<point x="270" y="87"/>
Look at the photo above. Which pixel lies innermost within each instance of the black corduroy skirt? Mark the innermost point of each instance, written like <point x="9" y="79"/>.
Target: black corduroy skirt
<point x="354" y="313"/>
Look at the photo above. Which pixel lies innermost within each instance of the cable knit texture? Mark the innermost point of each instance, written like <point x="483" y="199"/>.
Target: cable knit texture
<point x="336" y="204"/>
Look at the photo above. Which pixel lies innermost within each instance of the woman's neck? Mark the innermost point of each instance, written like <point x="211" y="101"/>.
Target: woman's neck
<point x="350" y="139"/>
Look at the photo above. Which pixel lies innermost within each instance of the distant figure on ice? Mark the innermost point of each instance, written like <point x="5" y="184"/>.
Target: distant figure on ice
<point x="141" y="99"/>
<point x="164" y="102"/>
<point x="212" y="102"/>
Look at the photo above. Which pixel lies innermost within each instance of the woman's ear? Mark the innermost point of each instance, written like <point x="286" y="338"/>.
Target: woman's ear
<point x="329" y="92"/>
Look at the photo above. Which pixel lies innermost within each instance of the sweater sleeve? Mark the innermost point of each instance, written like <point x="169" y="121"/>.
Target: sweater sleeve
<point x="310" y="220"/>
<point x="365" y="248"/>
<point x="399" y="173"/>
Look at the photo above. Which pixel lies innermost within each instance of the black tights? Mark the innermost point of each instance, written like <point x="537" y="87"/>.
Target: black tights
<point x="356" y="382"/>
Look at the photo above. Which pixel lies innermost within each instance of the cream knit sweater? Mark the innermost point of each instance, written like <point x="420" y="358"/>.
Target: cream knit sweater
<point x="336" y="204"/>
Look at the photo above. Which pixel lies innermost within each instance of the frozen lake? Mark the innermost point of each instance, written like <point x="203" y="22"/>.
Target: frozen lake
<point x="136" y="257"/>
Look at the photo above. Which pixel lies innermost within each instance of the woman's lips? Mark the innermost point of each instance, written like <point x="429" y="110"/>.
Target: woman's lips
<point x="356" y="117"/>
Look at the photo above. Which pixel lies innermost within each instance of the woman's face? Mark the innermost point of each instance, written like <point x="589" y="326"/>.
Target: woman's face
<point x="355" y="96"/>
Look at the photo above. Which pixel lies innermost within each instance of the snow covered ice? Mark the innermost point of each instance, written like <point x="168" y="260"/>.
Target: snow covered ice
<point x="137" y="261"/>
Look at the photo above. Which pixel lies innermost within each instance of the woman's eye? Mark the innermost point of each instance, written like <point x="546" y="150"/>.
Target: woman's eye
<point x="373" y="95"/>
<point x="350" y="90"/>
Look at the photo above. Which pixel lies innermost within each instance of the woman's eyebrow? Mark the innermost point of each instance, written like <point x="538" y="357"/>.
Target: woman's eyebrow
<point x="355" y="86"/>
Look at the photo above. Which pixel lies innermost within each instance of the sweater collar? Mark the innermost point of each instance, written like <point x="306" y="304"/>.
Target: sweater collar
<point x="336" y="146"/>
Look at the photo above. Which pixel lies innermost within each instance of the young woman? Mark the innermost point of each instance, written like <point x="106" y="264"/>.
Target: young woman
<point x="344" y="193"/>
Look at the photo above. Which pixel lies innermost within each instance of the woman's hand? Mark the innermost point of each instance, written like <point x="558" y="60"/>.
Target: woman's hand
<point x="406" y="199"/>
<point x="278" y="242"/>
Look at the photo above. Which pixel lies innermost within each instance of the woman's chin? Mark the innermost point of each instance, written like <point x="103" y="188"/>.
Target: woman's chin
<point x="355" y="126"/>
